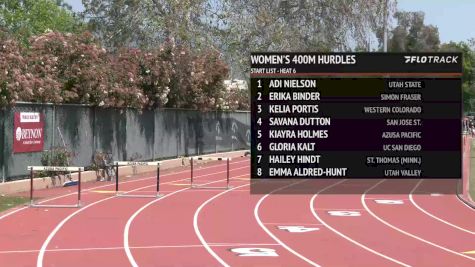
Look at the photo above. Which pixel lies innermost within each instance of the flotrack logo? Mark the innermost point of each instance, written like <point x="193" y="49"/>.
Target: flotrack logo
<point x="431" y="59"/>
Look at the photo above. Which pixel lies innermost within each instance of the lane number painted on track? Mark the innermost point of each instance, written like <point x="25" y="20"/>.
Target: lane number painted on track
<point x="389" y="201"/>
<point x="298" y="229"/>
<point x="344" y="213"/>
<point x="255" y="252"/>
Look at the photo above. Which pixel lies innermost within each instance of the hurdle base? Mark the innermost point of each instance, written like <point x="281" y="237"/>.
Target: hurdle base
<point x="33" y="205"/>
<point x="210" y="187"/>
<point x="139" y="196"/>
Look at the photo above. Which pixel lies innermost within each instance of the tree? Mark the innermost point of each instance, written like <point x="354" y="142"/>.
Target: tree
<point x="25" y="18"/>
<point x="236" y="27"/>
<point x="145" y="23"/>
<point x="468" y="76"/>
<point x="297" y="25"/>
<point x="412" y="35"/>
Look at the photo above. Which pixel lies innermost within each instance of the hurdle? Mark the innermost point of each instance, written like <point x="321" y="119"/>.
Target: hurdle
<point x="136" y="163"/>
<point x="32" y="169"/>
<point x="192" y="185"/>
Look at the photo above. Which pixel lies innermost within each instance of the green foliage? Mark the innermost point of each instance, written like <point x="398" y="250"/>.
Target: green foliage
<point x="468" y="58"/>
<point x="25" y="18"/>
<point x="57" y="156"/>
<point x="143" y="23"/>
<point x="293" y="25"/>
<point x="236" y="27"/>
<point x="412" y="35"/>
<point x="468" y="76"/>
<point x="8" y="202"/>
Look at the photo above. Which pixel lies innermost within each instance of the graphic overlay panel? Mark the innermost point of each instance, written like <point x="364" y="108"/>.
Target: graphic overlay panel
<point x="356" y="116"/>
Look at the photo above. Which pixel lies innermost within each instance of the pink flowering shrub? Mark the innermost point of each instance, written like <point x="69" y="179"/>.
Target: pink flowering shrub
<point x="123" y="78"/>
<point x="197" y="82"/>
<point x="237" y="99"/>
<point x="73" y="68"/>
<point x="156" y="70"/>
<point x="75" y="62"/>
<point x="13" y="77"/>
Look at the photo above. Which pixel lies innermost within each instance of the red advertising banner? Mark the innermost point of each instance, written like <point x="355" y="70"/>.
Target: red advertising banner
<point x="28" y="133"/>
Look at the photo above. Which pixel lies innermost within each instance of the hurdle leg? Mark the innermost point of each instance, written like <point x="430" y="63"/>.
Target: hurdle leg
<point x="79" y="189"/>
<point x="227" y="174"/>
<point x="117" y="179"/>
<point x="227" y="180"/>
<point x="158" y="181"/>
<point x="191" y="165"/>
<point x="31" y="186"/>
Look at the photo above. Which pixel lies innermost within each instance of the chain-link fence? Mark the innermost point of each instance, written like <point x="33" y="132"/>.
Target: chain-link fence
<point x="128" y="134"/>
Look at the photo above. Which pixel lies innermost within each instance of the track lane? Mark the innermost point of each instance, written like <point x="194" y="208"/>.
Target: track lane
<point x="49" y="221"/>
<point x="414" y="224"/>
<point x="322" y="246"/>
<point x="131" y="219"/>
<point x="443" y="208"/>
<point x="228" y="218"/>
<point x="172" y="220"/>
<point x="33" y="225"/>
<point x="284" y="245"/>
<point x="52" y="195"/>
<point x="104" y="225"/>
<point x="372" y="233"/>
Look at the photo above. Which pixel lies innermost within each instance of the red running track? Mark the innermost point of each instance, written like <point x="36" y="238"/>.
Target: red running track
<point x="215" y="227"/>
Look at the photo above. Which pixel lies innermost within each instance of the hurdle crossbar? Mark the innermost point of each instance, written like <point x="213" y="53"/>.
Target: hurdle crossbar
<point x="136" y="163"/>
<point x="192" y="185"/>
<point x="32" y="170"/>
<point x="211" y="158"/>
<point x="55" y="168"/>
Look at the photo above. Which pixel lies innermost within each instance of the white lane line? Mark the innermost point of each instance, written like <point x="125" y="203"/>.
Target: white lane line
<point x="464" y="204"/>
<point x="197" y="229"/>
<point x="240" y="244"/>
<point x="327" y="209"/>
<point x="256" y="215"/>
<point x="386" y="198"/>
<point x="292" y="223"/>
<point x="39" y="262"/>
<point x="208" y="190"/>
<point x="312" y="205"/>
<point x="138" y="247"/>
<point x="466" y="184"/>
<point x="113" y="184"/>
<point x="432" y="215"/>
<point x="404" y="232"/>
<point x="128" y="251"/>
